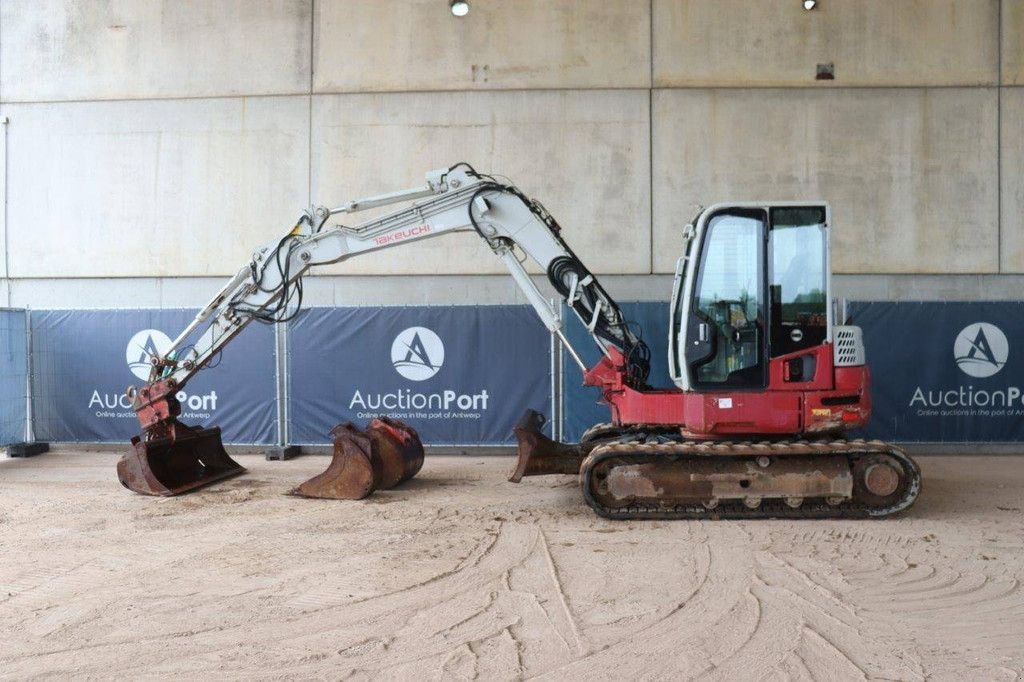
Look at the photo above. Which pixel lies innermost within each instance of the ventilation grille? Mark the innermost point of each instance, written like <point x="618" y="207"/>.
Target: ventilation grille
<point x="849" y="347"/>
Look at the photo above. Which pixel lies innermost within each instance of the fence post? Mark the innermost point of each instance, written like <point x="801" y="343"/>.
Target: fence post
<point x="31" y="447"/>
<point x="282" y="450"/>
<point x="556" y="376"/>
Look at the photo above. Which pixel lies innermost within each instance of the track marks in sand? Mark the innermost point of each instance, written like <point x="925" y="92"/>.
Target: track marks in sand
<point x="803" y="625"/>
<point x="875" y="538"/>
<point x="41" y="587"/>
<point x="507" y="600"/>
<point x="816" y="658"/>
<point x="944" y="604"/>
<point x="579" y="647"/>
<point x="504" y="596"/>
<point x="751" y="616"/>
<point x="947" y="602"/>
<point x="481" y="587"/>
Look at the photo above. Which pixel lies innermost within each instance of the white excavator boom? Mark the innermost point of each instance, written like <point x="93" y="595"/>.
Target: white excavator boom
<point x="456" y="199"/>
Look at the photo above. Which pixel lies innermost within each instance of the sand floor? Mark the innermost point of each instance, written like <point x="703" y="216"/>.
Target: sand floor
<point x="461" y="575"/>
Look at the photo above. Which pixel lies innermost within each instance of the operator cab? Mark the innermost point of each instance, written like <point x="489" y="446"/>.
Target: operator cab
<point x="753" y="285"/>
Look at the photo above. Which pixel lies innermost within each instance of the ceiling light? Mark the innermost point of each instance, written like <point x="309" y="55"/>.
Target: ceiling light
<point x="459" y="8"/>
<point x="808" y="4"/>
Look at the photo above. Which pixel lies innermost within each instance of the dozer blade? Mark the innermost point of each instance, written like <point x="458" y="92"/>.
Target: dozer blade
<point x="539" y="455"/>
<point x="398" y="448"/>
<point x="353" y="472"/>
<point x="172" y="466"/>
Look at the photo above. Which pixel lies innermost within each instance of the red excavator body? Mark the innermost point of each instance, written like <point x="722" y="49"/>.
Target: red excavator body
<point x="830" y="401"/>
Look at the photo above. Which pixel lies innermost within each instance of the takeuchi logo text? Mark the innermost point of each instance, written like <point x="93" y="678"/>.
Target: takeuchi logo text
<point x="402" y="235"/>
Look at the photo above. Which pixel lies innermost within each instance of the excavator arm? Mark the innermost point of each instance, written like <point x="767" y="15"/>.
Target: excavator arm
<point x="456" y="199"/>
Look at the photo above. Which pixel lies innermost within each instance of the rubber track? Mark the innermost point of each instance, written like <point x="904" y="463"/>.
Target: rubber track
<point x="610" y="430"/>
<point x="638" y="453"/>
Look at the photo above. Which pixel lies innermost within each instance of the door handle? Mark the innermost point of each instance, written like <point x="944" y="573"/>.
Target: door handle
<point x="702" y="332"/>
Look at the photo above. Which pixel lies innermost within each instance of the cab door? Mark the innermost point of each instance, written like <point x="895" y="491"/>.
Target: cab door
<point x="726" y="334"/>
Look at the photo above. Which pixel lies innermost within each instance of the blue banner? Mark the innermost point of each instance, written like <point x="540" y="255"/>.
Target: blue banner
<point x="944" y="371"/>
<point x="581" y="406"/>
<point x="84" y="359"/>
<point x="459" y="375"/>
<point x="13" y="369"/>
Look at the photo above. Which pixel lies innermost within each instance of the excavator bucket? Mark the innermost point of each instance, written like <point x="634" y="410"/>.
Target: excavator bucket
<point x="385" y="454"/>
<point x="352" y="474"/>
<point x="539" y="455"/>
<point x="398" y="448"/>
<point x="172" y="466"/>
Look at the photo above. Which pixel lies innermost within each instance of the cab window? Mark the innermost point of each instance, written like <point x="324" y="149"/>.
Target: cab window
<point x="797" y="276"/>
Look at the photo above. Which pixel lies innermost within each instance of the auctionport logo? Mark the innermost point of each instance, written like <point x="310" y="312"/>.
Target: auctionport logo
<point x="981" y="349"/>
<point x="417" y="353"/>
<point x="143" y="346"/>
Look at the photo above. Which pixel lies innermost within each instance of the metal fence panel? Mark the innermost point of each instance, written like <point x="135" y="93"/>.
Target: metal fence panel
<point x="460" y="375"/>
<point x="84" y="360"/>
<point x="944" y="372"/>
<point x="581" y="406"/>
<point x="13" y="376"/>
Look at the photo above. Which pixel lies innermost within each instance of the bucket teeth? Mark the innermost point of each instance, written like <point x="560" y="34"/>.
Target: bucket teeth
<point x="191" y="459"/>
<point x="387" y="453"/>
<point x="539" y="455"/>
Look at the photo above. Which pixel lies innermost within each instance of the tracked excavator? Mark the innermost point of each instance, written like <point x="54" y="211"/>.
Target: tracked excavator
<point x="767" y="384"/>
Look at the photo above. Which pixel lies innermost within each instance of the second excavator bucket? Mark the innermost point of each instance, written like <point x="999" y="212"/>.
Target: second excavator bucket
<point x="385" y="454"/>
<point x="398" y="448"/>
<point x="539" y="455"/>
<point x="172" y="466"/>
<point x="352" y="473"/>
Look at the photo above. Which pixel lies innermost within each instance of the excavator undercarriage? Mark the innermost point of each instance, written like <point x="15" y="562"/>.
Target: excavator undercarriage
<point x="650" y="473"/>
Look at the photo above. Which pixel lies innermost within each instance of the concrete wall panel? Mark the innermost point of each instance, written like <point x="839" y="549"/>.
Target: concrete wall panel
<point x="1012" y="191"/>
<point x="870" y="42"/>
<point x="68" y="49"/>
<point x="4" y="255"/>
<point x="324" y="290"/>
<point x="156" y="188"/>
<point x="584" y="154"/>
<point x="1013" y="42"/>
<point x="398" y="45"/>
<point x="192" y="292"/>
<point x="910" y="174"/>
